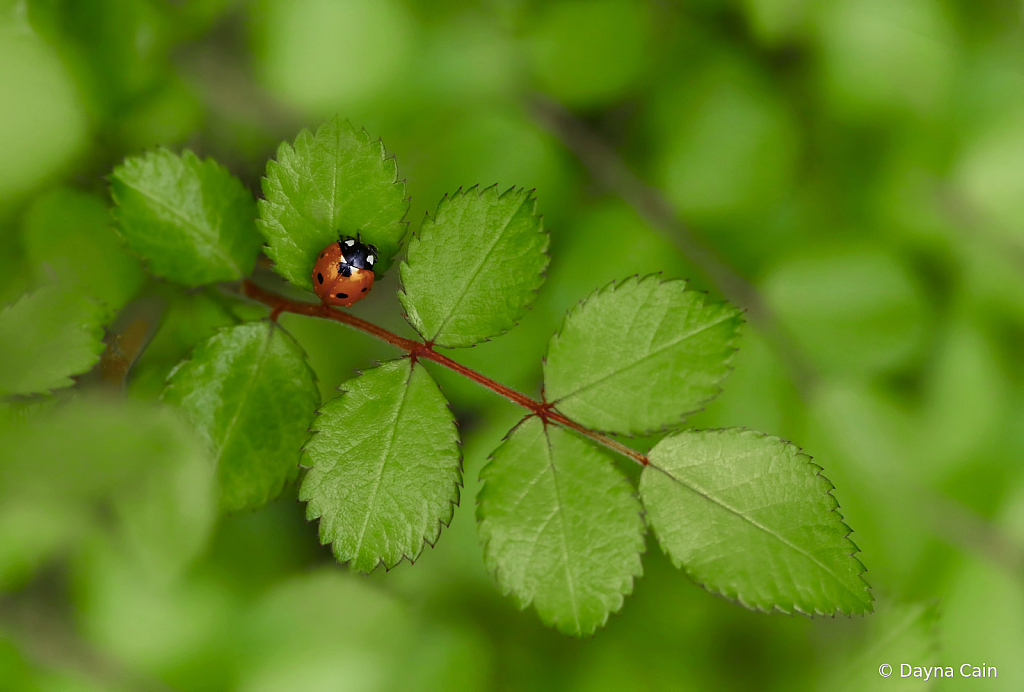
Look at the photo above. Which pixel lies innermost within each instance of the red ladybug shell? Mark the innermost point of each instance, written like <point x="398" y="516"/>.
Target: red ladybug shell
<point x="343" y="273"/>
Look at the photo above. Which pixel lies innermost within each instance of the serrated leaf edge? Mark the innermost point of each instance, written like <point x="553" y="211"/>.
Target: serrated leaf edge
<point x="97" y="332"/>
<point x="187" y="156"/>
<point x="615" y="285"/>
<point x="275" y="491"/>
<point x="739" y="599"/>
<point x="447" y="199"/>
<point x="286" y="149"/>
<point x="524" y="604"/>
<point x="452" y="504"/>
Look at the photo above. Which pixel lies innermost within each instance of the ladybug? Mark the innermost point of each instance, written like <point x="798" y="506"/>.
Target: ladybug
<point x="343" y="273"/>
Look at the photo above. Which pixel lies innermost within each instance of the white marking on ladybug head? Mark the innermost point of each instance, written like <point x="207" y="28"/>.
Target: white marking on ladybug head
<point x="350" y="242"/>
<point x="370" y="259"/>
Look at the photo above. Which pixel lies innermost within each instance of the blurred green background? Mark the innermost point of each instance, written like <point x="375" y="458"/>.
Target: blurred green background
<point x="856" y="166"/>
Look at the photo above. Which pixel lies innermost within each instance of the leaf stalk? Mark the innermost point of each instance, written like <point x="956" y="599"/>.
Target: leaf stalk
<point x="419" y="350"/>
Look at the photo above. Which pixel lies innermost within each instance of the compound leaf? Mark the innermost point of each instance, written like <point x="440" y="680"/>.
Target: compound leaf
<point x="191" y="220"/>
<point x="47" y="336"/>
<point x="561" y="527"/>
<point x="250" y="392"/>
<point x="332" y="183"/>
<point x="472" y="270"/>
<point x="639" y="355"/>
<point x="384" y="466"/>
<point x="749" y="517"/>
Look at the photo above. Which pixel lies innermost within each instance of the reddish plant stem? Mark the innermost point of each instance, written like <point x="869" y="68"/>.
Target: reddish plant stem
<point x="418" y="350"/>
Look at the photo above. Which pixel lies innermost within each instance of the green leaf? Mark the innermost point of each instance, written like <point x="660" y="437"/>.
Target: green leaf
<point x="46" y="337"/>
<point x="895" y="634"/>
<point x="92" y="449"/>
<point x="473" y="269"/>
<point x="561" y="527"/>
<point x="384" y="466"/>
<point x="191" y="220"/>
<point x="249" y="392"/>
<point x="107" y="470"/>
<point x="639" y="355"/>
<point x="69" y="234"/>
<point x="750" y="518"/>
<point x="334" y="183"/>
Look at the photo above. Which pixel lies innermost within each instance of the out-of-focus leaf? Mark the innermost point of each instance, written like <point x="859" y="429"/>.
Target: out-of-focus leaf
<point x="883" y="59"/>
<point x="897" y="635"/>
<point x="561" y="527"/>
<point x="68" y="235"/>
<point x="749" y="517"/>
<point x="850" y="311"/>
<point x="46" y="337"/>
<point x="42" y="124"/>
<point x="589" y="53"/>
<point x="384" y="466"/>
<point x="188" y="319"/>
<point x="727" y="147"/>
<point x="334" y="183"/>
<point x="250" y="393"/>
<point x="320" y="56"/>
<point x="322" y="630"/>
<point x="639" y="355"/>
<point x="191" y="220"/>
<point x="491" y="247"/>
<point x="139" y="462"/>
<point x="90" y="447"/>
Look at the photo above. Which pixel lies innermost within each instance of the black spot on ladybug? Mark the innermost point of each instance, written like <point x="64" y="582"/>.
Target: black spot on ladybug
<point x="364" y="290"/>
<point x="345" y="270"/>
<point x="320" y="277"/>
<point x="342" y="295"/>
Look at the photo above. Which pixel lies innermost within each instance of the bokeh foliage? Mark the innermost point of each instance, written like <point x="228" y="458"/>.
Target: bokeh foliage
<point x="859" y="162"/>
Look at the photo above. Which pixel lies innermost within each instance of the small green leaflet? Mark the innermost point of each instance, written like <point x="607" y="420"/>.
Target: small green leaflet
<point x="249" y="391"/>
<point x="191" y="220"/>
<point x="47" y="336"/>
<point x="749" y="517"/>
<point x="384" y="466"/>
<point x="561" y="527"/>
<point x="639" y="355"/>
<point x="472" y="270"/>
<point x="337" y="182"/>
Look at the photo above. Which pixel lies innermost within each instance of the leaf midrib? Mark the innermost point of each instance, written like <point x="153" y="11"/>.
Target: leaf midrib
<point x="260" y="361"/>
<point x="384" y="461"/>
<point x="201" y="231"/>
<point x="569" y="577"/>
<point x="479" y="268"/>
<point x="707" y="496"/>
<point x="644" y="358"/>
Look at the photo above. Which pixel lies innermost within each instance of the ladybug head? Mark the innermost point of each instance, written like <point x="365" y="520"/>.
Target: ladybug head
<point x="357" y="253"/>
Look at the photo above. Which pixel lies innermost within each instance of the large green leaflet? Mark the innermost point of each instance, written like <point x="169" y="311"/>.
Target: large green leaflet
<point x="639" y="355"/>
<point x="472" y="270"/>
<point x="191" y="220"/>
<point x="249" y="391"/>
<point x="337" y="182"/>
<point x="749" y="517"/>
<point x="384" y="466"/>
<point x="46" y="337"/>
<point x="561" y="527"/>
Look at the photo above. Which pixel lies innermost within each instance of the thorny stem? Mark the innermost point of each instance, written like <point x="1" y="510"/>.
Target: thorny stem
<point x="419" y="350"/>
